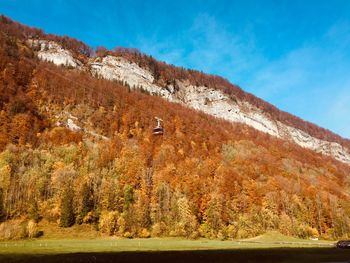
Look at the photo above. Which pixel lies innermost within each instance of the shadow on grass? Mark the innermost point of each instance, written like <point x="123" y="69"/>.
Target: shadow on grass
<point x="239" y="255"/>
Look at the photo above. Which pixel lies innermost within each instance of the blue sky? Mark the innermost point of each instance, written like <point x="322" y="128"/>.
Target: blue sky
<point x="294" y="54"/>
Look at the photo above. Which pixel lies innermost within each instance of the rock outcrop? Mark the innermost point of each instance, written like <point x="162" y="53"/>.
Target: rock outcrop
<point x="53" y="52"/>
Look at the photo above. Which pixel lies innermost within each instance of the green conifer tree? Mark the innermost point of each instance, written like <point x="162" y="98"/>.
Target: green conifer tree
<point x="2" y="207"/>
<point x="33" y="211"/>
<point x="67" y="218"/>
<point x="87" y="204"/>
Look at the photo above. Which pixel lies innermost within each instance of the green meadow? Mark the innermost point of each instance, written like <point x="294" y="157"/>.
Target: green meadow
<point x="271" y="247"/>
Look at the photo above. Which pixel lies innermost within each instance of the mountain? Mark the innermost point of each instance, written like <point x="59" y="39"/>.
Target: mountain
<point x="210" y="94"/>
<point x="77" y="147"/>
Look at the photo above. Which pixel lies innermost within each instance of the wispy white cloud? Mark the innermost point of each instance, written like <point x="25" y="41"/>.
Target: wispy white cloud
<point x="310" y="81"/>
<point x="210" y="47"/>
<point x="338" y="114"/>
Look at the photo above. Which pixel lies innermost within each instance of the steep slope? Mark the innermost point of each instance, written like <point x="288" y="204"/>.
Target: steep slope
<point x="206" y="98"/>
<point x="213" y="102"/>
<point x="51" y="51"/>
<point x="79" y="149"/>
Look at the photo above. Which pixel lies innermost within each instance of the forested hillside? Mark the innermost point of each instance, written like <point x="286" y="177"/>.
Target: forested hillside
<point x="80" y="150"/>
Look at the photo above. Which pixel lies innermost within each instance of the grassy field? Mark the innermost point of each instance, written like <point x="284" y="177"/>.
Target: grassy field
<point x="271" y="247"/>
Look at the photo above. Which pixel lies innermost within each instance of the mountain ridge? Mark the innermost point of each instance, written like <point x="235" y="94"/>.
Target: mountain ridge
<point x="158" y="78"/>
<point x="81" y="52"/>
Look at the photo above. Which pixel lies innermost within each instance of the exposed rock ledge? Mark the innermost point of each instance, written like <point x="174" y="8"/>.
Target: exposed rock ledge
<point x="53" y="52"/>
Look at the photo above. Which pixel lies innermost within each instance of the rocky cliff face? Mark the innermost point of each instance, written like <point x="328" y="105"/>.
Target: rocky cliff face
<point x="208" y="100"/>
<point x="53" y="52"/>
<point x="117" y="68"/>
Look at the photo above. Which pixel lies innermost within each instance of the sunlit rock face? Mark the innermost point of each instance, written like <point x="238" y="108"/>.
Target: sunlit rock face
<point x="53" y="52"/>
<point x="117" y="68"/>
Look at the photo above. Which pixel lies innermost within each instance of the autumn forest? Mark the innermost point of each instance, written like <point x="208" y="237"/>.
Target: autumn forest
<point x="204" y="177"/>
